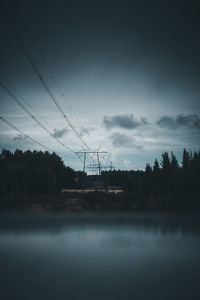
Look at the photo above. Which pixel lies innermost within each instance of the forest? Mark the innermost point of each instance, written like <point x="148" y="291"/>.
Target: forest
<point x="36" y="176"/>
<point x="164" y="185"/>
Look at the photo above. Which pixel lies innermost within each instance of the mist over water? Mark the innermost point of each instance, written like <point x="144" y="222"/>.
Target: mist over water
<point x="96" y="256"/>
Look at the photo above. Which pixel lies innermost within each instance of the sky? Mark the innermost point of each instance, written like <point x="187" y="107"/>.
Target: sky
<point x="125" y="74"/>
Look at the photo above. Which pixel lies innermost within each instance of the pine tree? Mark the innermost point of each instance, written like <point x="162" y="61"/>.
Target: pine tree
<point x="165" y="163"/>
<point x="156" y="167"/>
<point x="186" y="159"/>
<point x="174" y="162"/>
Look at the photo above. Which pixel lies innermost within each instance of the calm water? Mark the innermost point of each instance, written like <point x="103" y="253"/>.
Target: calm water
<point x="97" y="257"/>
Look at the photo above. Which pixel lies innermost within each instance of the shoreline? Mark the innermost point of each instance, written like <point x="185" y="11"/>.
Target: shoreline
<point x="94" y="202"/>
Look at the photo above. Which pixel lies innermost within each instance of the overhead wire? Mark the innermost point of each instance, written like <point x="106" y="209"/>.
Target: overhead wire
<point x="24" y="134"/>
<point x="52" y="76"/>
<point x="48" y="89"/>
<point x="3" y="86"/>
<point x="30" y="138"/>
<point x="44" y="83"/>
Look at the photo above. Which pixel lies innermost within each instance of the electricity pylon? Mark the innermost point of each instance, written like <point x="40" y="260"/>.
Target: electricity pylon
<point x="98" y="153"/>
<point x="102" y="167"/>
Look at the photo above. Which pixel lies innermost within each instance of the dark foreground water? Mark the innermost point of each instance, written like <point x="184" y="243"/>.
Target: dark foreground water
<point x="97" y="257"/>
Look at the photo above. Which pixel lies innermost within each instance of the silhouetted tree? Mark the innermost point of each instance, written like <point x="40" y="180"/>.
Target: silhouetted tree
<point x="156" y="167"/>
<point x="168" y="185"/>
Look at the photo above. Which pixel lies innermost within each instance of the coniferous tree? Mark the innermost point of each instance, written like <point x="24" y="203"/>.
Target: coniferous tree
<point x="156" y="167"/>
<point x="168" y="185"/>
<point x="174" y="162"/>
<point x="186" y="159"/>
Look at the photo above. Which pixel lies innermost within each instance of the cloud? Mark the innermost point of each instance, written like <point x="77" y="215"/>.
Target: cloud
<point x="121" y="140"/>
<point x="19" y="137"/>
<point x="59" y="133"/>
<point x="190" y="121"/>
<point x="127" y="163"/>
<point x="22" y="140"/>
<point x="86" y="130"/>
<point x="167" y="122"/>
<point x="126" y="121"/>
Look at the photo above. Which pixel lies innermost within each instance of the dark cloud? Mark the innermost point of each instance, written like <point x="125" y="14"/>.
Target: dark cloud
<point x="22" y="140"/>
<point x="167" y="122"/>
<point x="59" y="133"/>
<point x="123" y="140"/>
<point x="126" y="121"/>
<point x="190" y="121"/>
<point x="19" y="137"/>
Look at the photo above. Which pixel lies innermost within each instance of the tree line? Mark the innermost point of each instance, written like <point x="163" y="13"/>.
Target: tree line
<point x="164" y="185"/>
<point x="32" y="173"/>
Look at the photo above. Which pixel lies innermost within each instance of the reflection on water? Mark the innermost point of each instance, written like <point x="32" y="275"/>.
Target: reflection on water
<point x="97" y="257"/>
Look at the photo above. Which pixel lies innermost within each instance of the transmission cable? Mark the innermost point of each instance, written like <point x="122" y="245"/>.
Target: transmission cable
<point x="44" y="83"/>
<point x="33" y="117"/>
<point x="24" y="134"/>
<point x="52" y="76"/>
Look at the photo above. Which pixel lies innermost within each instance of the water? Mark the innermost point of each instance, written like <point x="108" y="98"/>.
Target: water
<point x="97" y="257"/>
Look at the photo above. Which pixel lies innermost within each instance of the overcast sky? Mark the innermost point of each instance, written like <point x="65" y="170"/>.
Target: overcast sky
<point x="126" y="74"/>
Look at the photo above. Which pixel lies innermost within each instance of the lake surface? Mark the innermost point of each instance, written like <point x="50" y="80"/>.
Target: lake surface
<point x="99" y="256"/>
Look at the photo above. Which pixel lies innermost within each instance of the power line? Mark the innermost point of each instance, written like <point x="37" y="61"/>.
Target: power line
<point x="24" y="134"/>
<point x="52" y="76"/>
<point x="30" y="138"/>
<point x="64" y="97"/>
<point x="34" y="118"/>
<point x="54" y="79"/>
<point x="62" y="94"/>
<point x="44" y="83"/>
<point x="98" y="165"/>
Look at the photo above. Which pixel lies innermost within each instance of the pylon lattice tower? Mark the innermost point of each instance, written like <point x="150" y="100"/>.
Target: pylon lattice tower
<point x="94" y="166"/>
